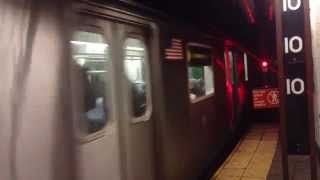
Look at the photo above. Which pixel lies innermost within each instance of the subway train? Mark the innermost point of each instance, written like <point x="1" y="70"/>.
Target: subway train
<point x="116" y="91"/>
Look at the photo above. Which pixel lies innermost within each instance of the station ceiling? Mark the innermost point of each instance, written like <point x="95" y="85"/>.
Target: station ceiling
<point x="242" y="20"/>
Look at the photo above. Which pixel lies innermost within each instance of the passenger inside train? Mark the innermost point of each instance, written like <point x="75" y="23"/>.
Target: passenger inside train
<point x="89" y="53"/>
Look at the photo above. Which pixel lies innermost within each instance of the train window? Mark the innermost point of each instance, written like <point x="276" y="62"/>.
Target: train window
<point x="200" y="71"/>
<point x="136" y="70"/>
<point x="90" y="56"/>
<point x="233" y="67"/>
<point x="245" y="62"/>
<point x="200" y="81"/>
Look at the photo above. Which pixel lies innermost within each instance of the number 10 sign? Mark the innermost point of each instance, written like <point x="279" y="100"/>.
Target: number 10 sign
<point x="294" y="68"/>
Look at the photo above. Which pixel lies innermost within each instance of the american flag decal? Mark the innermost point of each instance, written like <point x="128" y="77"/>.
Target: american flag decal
<point x="175" y="52"/>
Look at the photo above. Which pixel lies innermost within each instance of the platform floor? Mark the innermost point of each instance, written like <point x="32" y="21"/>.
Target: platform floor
<point x="252" y="157"/>
<point x="299" y="167"/>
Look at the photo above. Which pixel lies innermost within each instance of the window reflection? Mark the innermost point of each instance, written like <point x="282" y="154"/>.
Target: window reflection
<point x="89" y="53"/>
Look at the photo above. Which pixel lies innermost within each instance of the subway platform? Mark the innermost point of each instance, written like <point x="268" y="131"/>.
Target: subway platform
<point x="252" y="158"/>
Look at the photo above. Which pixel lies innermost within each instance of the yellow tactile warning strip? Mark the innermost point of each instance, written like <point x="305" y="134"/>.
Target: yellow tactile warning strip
<point x="252" y="157"/>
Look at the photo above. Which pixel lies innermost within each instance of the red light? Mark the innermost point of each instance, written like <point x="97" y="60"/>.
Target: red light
<point x="265" y="64"/>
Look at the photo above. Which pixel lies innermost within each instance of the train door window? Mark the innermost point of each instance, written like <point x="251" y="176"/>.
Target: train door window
<point x="90" y="58"/>
<point x="245" y="62"/>
<point x="231" y="60"/>
<point x="227" y="65"/>
<point x="137" y="74"/>
<point x="233" y="67"/>
<point x="200" y="71"/>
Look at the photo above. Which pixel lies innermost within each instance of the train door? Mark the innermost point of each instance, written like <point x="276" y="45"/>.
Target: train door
<point x="241" y="85"/>
<point x="112" y="100"/>
<point x="235" y="92"/>
<point x="136" y="102"/>
<point x="93" y="88"/>
<point x="231" y="83"/>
